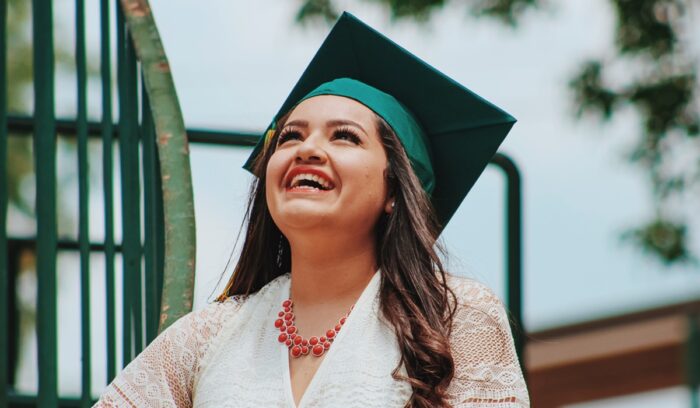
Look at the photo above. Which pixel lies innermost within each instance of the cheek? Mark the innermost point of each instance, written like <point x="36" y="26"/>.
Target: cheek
<point x="274" y="172"/>
<point x="275" y="169"/>
<point x="369" y="178"/>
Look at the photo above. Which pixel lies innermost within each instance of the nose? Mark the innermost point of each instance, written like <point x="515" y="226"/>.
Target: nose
<point x="310" y="151"/>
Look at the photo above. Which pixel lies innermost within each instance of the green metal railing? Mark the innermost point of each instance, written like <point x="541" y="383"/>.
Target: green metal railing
<point x="140" y="203"/>
<point x="141" y="294"/>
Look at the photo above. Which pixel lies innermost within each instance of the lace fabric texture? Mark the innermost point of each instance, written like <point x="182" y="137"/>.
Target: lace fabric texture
<point x="227" y="355"/>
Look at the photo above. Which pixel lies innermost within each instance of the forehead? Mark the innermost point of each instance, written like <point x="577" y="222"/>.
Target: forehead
<point x="331" y="107"/>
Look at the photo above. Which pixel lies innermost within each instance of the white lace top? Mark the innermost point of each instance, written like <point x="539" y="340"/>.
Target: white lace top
<point x="228" y="355"/>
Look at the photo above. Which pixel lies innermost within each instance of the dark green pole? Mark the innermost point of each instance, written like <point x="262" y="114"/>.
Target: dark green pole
<point x="151" y="228"/>
<point x="83" y="204"/>
<point x="131" y="210"/>
<point x="45" y="170"/>
<point x="108" y="186"/>
<point x="514" y="299"/>
<point x="4" y="273"/>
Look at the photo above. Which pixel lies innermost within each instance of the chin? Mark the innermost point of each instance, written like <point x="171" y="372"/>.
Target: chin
<point x="297" y="216"/>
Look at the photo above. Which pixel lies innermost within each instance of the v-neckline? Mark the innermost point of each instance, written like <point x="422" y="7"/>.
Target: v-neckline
<point x="357" y="310"/>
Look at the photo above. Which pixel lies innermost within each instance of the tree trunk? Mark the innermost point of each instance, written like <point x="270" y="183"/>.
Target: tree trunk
<point x="173" y="149"/>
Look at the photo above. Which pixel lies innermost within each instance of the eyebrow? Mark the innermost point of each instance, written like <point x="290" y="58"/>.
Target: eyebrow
<point x="330" y="123"/>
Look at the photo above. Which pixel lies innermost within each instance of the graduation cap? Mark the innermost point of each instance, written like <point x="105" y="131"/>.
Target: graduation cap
<point x="449" y="133"/>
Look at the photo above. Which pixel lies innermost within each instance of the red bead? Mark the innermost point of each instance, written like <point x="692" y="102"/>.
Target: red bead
<point x="326" y="345"/>
<point x="342" y="321"/>
<point x="304" y="350"/>
<point x="296" y="351"/>
<point x="292" y="336"/>
<point x="287" y="310"/>
<point x="283" y="328"/>
<point x="280" y="314"/>
<point x="313" y="341"/>
<point x="291" y="329"/>
<point x="317" y="350"/>
<point x="330" y="334"/>
<point x="288" y="342"/>
<point x="322" y="339"/>
<point x="337" y="327"/>
<point x="297" y="340"/>
<point x="304" y="342"/>
<point x="279" y="323"/>
<point x="282" y="338"/>
<point x="287" y="303"/>
<point x="288" y="316"/>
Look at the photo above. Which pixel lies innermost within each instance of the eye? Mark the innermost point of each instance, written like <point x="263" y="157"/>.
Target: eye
<point x="346" y="134"/>
<point x="287" y="135"/>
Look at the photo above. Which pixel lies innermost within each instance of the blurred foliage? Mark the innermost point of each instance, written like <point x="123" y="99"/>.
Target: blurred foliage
<point x="659" y="82"/>
<point x="662" y="238"/>
<point x="507" y="11"/>
<point x="19" y="73"/>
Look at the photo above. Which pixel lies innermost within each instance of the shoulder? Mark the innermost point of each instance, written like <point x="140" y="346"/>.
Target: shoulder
<point x="480" y="318"/>
<point x="202" y="325"/>
<point x="212" y="316"/>
<point x="487" y="369"/>
<point x="472" y="295"/>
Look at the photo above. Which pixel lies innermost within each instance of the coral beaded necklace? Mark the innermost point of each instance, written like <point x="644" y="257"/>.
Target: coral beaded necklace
<point x="297" y="344"/>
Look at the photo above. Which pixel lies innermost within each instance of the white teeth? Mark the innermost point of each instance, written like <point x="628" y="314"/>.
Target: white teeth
<point x="311" y="177"/>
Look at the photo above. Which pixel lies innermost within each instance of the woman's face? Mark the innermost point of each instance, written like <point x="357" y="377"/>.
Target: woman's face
<point x="328" y="170"/>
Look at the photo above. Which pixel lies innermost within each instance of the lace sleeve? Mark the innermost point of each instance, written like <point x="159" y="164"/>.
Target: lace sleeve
<point x="162" y="375"/>
<point x="487" y="371"/>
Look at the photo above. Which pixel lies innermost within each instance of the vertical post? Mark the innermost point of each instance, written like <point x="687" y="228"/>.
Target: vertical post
<point x="131" y="223"/>
<point x="45" y="169"/>
<point x="514" y="250"/>
<point x="4" y="273"/>
<point x="108" y="185"/>
<point x="83" y="204"/>
<point x="123" y="129"/>
<point x="150" y="218"/>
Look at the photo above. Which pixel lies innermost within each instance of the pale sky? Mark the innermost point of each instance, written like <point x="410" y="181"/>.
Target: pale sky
<point x="235" y="62"/>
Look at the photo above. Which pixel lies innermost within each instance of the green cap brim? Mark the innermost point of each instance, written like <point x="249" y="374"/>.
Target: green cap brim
<point x="463" y="129"/>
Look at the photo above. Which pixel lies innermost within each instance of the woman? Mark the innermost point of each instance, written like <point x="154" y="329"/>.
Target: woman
<point x="339" y="297"/>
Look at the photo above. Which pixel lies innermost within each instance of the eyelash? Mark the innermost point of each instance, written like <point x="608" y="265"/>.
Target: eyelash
<point x="340" y="133"/>
<point x="348" y="133"/>
<point x="288" y="134"/>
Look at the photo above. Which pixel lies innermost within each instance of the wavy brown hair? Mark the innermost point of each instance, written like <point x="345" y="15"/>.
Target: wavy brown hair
<point x="414" y="295"/>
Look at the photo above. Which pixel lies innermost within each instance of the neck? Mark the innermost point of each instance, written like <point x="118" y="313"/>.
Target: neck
<point x="331" y="270"/>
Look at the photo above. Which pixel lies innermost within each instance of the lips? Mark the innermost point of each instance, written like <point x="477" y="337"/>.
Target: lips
<point x="308" y="179"/>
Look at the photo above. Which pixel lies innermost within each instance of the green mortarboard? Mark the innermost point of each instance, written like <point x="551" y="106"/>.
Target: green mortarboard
<point x="461" y="129"/>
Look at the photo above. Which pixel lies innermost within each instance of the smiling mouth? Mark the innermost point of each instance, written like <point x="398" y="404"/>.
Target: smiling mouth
<point x="309" y="182"/>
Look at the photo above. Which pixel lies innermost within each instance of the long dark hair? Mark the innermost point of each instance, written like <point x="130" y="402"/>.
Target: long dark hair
<point x="414" y="294"/>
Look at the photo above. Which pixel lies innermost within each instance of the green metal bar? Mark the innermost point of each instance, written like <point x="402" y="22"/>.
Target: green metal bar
<point x="150" y="215"/>
<point x="135" y="247"/>
<point x="83" y="203"/>
<point x="131" y="225"/>
<point x="45" y="170"/>
<point x="4" y="273"/>
<point x="62" y="245"/>
<point x="514" y="298"/>
<point x="30" y="401"/>
<point x="24" y="125"/>
<point x="107" y="132"/>
<point x="127" y="331"/>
